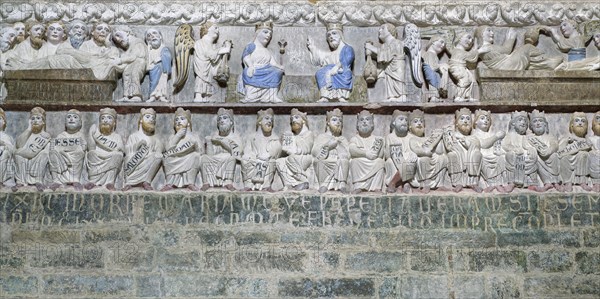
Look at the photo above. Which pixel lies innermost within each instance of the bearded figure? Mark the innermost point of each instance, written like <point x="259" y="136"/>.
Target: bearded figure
<point x="492" y="161"/>
<point x="464" y="153"/>
<point x="8" y="38"/>
<point x="27" y="51"/>
<point x="7" y="151"/>
<point x="432" y="161"/>
<point x="400" y="160"/>
<point x="366" y="156"/>
<point x="21" y="31"/>
<point x="67" y="153"/>
<point x="131" y="63"/>
<point x="31" y="156"/>
<point x="520" y="157"/>
<point x="78" y="33"/>
<point x="331" y="155"/>
<point x="594" y="157"/>
<point x="573" y="151"/>
<point x="143" y="153"/>
<point x="105" y="152"/>
<point x="158" y="66"/>
<point x="546" y="147"/>
<point x="260" y="153"/>
<point x="224" y="150"/>
<point x="182" y="154"/>
<point x="296" y="146"/>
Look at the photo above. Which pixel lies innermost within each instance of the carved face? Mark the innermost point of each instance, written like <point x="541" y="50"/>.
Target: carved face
<point x="539" y="126"/>
<point x="417" y="127"/>
<point x="464" y="124"/>
<point x="579" y="126"/>
<point x="8" y="38"/>
<point x="596" y="38"/>
<point x="20" y="29"/>
<point x="2" y="123"/>
<point x="596" y="124"/>
<point x="567" y="29"/>
<point x="438" y="46"/>
<point x="266" y="124"/>
<point x="335" y="125"/>
<point x="383" y="32"/>
<point x="148" y="123"/>
<point x="365" y="124"/>
<point x="488" y="35"/>
<point x="153" y="38"/>
<point x="263" y="36"/>
<point x="181" y="122"/>
<point x="78" y="29"/>
<point x="55" y="33"/>
<point x="401" y="124"/>
<point x="297" y="123"/>
<point x="38" y="123"/>
<point x="483" y="122"/>
<point x="101" y="32"/>
<point x="334" y="37"/>
<point x="121" y="39"/>
<point x="37" y="31"/>
<point x="72" y="122"/>
<point x="224" y="123"/>
<point x="520" y="125"/>
<point x="107" y="124"/>
<point x="466" y="41"/>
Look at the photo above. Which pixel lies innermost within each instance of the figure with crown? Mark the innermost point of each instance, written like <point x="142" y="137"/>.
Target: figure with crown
<point x="105" y="151"/>
<point x="296" y="147"/>
<point x="331" y="154"/>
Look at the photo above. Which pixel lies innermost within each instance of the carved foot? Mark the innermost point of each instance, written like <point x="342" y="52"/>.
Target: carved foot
<point x="40" y="187"/>
<point x="357" y="191"/>
<point x="14" y="188"/>
<point x="54" y="186"/>
<point x="490" y="189"/>
<point x="342" y="100"/>
<point x="457" y="188"/>
<point x="476" y="188"/>
<point x="323" y="189"/>
<point x="597" y="187"/>
<point x="406" y="188"/>
<point x="323" y="100"/>
<point x="167" y="187"/>
<point x="127" y="188"/>
<point x="301" y="187"/>
<point x="390" y="189"/>
<point x="567" y="187"/>
<point x="111" y="187"/>
<point x="269" y="189"/>
<point x="89" y="186"/>
<point x="205" y="187"/>
<point x="193" y="188"/>
<point x="509" y="188"/>
<point x="147" y="186"/>
<point x="230" y="187"/>
<point x="78" y="186"/>
<point x="587" y="187"/>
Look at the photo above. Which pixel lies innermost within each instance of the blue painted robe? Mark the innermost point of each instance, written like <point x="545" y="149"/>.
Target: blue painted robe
<point x="266" y="76"/>
<point x="340" y="80"/>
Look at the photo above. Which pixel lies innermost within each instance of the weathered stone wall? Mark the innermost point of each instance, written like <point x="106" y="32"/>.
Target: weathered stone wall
<point x="65" y="245"/>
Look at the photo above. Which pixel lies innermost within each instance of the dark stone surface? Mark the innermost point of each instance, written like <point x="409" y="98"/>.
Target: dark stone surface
<point x="378" y="262"/>
<point x="326" y="287"/>
<point x="550" y="261"/>
<point x="589" y="262"/>
<point x="88" y="285"/>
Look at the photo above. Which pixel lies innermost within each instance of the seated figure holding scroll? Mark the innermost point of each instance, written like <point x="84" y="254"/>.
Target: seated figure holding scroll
<point x="105" y="151"/>
<point x="31" y="157"/>
<point x="67" y="153"/>
<point x="366" y="153"/>
<point x="331" y="154"/>
<point x="143" y="153"/>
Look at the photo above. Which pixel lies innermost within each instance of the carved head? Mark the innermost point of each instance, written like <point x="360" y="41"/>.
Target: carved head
<point x="147" y="121"/>
<point x="225" y="121"/>
<point x="596" y="124"/>
<point x="334" y="35"/>
<point x="484" y="34"/>
<point x="519" y="122"/>
<point x="121" y="37"/>
<point x="568" y="28"/>
<point x="8" y="38"/>
<point x="36" y="32"/>
<point x="416" y="122"/>
<point x="100" y="33"/>
<point x="436" y="44"/>
<point x="399" y="122"/>
<point x="210" y="30"/>
<point x="335" y="122"/>
<point x="264" y="33"/>
<point x="78" y="33"/>
<point x="2" y="120"/>
<point x="56" y="32"/>
<point x="37" y="118"/>
<point x="21" y="32"/>
<point x="365" y="123"/>
<point x="153" y="38"/>
<point x="483" y="120"/>
<point x="73" y="121"/>
<point x="463" y="121"/>
<point x="183" y="120"/>
<point x="596" y="38"/>
<point x="387" y="30"/>
<point x="108" y="121"/>
<point x="298" y="120"/>
<point x="264" y="120"/>
<point x="538" y="123"/>
<point x="578" y="124"/>
<point x="464" y="40"/>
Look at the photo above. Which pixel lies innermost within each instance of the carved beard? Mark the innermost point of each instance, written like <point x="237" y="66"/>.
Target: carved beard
<point x="100" y="40"/>
<point x="538" y="131"/>
<point x="224" y="129"/>
<point x="4" y="46"/>
<point x="36" y="42"/>
<point x="76" y="41"/>
<point x="37" y="128"/>
<point x="155" y="44"/>
<point x="148" y="128"/>
<point x="20" y="38"/>
<point x="266" y="127"/>
<point x="420" y="132"/>
<point x="365" y="129"/>
<point x="297" y="127"/>
<point x="335" y="130"/>
<point x="464" y="129"/>
<point x="106" y="129"/>
<point x="579" y="131"/>
<point x="596" y="128"/>
<point x="179" y="127"/>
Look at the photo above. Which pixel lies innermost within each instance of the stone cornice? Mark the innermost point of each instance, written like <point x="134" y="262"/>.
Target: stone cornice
<point x="305" y="13"/>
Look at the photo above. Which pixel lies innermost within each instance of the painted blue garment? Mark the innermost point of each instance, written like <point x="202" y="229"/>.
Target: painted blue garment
<point x="266" y="76"/>
<point x="341" y="80"/>
<point x="432" y="77"/>
<point x="163" y="67"/>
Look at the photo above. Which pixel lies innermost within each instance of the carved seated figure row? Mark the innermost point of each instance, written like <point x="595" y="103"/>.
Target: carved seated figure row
<point x="36" y="46"/>
<point x="451" y="158"/>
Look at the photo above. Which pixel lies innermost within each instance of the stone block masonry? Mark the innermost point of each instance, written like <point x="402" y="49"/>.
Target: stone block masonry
<point x="231" y="245"/>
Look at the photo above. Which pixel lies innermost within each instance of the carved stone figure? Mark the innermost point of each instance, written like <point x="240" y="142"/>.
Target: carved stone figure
<point x="546" y="147"/>
<point x="568" y="39"/>
<point x="208" y="57"/>
<point x="143" y="153"/>
<point x="594" y="156"/>
<point x="99" y="44"/>
<point x="507" y="57"/>
<point x="334" y="78"/>
<point x="224" y="150"/>
<point x="573" y="151"/>
<point x="492" y="161"/>
<point x="131" y="63"/>
<point x="366" y="152"/>
<point x="27" y="50"/>
<point x="67" y="153"/>
<point x="435" y="72"/>
<point x="8" y="37"/>
<point x="56" y="37"/>
<point x="262" y="74"/>
<point x="182" y="154"/>
<point x="97" y="53"/>
<point x="31" y="157"/>
<point x="390" y="59"/>
<point x="432" y="161"/>
<point x="520" y="156"/>
<point x="464" y="152"/>
<point x="158" y="66"/>
<point x="588" y="64"/>
<point x="296" y="146"/>
<point x="21" y="32"/>
<point x="260" y="153"/>
<point x="331" y="154"/>
<point x="105" y="151"/>
<point x="78" y="33"/>
<point x="462" y="53"/>
<point x="7" y="151"/>
<point x="400" y="160"/>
